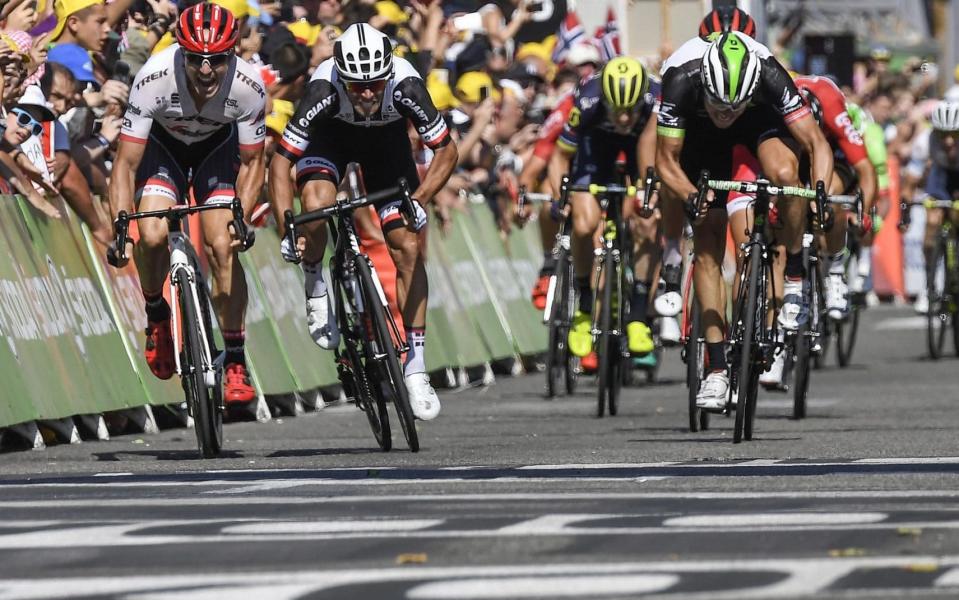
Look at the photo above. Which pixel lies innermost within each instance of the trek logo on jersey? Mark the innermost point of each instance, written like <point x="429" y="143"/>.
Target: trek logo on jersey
<point x="790" y="101"/>
<point x="848" y="129"/>
<point x="152" y="77"/>
<point x="315" y="110"/>
<point x="255" y="85"/>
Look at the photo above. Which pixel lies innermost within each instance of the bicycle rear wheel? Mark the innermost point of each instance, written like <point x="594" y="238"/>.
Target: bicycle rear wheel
<point x="570" y="360"/>
<point x="390" y="373"/>
<point x="556" y="362"/>
<point x="695" y="367"/>
<point x="747" y="379"/>
<point x="938" y="312"/>
<point x="207" y="416"/>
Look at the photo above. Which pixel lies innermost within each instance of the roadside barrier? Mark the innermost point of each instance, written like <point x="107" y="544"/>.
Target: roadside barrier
<point x="72" y="327"/>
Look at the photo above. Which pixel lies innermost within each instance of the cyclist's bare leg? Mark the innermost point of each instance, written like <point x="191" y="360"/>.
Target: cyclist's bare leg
<point x="835" y="238"/>
<point x="229" y="282"/>
<point x="781" y="164"/>
<point x="740" y="224"/>
<point x="412" y="287"/>
<point x="548" y="228"/>
<point x="152" y="252"/>
<point x="710" y="240"/>
<point x="673" y="219"/>
<point x="316" y="194"/>
<point x="586" y="213"/>
<point x="934" y="220"/>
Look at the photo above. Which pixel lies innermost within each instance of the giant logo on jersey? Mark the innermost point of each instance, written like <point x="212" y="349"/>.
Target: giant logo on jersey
<point x="315" y="110"/>
<point x="410" y="104"/>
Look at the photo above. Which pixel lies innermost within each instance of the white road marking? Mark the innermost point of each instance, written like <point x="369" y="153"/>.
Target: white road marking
<point x="543" y="587"/>
<point x="336" y="526"/>
<point x="771" y="519"/>
<point x="485" y="497"/>
<point x="804" y="577"/>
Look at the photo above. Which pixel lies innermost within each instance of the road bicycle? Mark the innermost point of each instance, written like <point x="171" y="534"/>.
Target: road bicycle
<point x="198" y="361"/>
<point x="561" y="363"/>
<point x="752" y="341"/>
<point x="942" y="277"/>
<point x="611" y="304"/>
<point x="810" y="341"/>
<point x="368" y="365"/>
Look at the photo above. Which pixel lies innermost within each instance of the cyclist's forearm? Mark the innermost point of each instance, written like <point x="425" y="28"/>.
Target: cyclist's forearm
<point x="558" y="166"/>
<point x="646" y="148"/>
<point x="867" y="182"/>
<point x="672" y="174"/>
<point x="121" y="191"/>
<point x="249" y="179"/>
<point x="444" y="161"/>
<point x="281" y="189"/>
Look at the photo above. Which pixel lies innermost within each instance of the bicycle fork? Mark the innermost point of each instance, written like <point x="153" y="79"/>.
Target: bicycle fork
<point x="180" y="262"/>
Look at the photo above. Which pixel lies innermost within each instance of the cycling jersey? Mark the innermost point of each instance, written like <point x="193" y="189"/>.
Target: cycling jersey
<point x="836" y="123"/>
<point x="683" y="96"/>
<point x="589" y="113"/>
<point x="405" y="98"/>
<point x="159" y="97"/>
<point x="553" y="126"/>
<point x="875" y="141"/>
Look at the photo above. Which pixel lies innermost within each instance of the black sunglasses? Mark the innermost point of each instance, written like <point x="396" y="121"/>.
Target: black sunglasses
<point x="26" y="120"/>
<point x="196" y="59"/>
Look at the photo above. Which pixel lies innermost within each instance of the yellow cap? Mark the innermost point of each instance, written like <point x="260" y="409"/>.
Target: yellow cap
<point x="65" y="8"/>
<point x="280" y="115"/>
<point x="391" y="11"/>
<point x="470" y="86"/>
<point x="304" y="32"/>
<point x="535" y="50"/>
<point x="440" y="92"/>
<point x="239" y="8"/>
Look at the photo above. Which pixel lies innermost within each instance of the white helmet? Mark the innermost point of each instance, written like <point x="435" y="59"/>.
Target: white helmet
<point x="363" y="54"/>
<point x="730" y="70"/>
<point x="583" y="53"/>
<point x="945" y="117"/>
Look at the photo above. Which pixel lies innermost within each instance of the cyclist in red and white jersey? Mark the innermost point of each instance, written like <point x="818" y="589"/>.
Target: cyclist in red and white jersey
<point x="195" y="121"/>
<point x="357" y="108"/>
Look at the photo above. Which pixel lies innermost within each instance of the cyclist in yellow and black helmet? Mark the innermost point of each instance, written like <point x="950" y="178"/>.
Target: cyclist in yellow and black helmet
<point x="613" y="118"/>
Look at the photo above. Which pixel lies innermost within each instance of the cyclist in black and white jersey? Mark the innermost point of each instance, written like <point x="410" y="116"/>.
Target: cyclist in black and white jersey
<point x="357" y="108"/>
<point x="196" y="111"/>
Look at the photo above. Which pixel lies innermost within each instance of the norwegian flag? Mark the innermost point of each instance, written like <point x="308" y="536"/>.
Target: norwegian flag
<point x="570" y="32"/>
<point x="607" y="37"/>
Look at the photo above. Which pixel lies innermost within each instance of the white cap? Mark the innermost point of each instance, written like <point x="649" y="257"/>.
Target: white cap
<point x="582" y="53"/>
<point x="33" y="97"/>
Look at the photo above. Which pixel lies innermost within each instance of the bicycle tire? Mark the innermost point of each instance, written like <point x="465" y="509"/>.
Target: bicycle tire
<point x="695" y="366"/>
<point x="801" y="367"/>
<point x="745" y="380"/>
<point x="555" y="355"/>
<point x="602" y="348"/>
<point x="570" y="360"/>
<point x="207" y="420"/>
<point x="937" y="314"/>
<point x="802" y="354"/>
<point x="846" y="337"/>
<point x="393" y="371"/>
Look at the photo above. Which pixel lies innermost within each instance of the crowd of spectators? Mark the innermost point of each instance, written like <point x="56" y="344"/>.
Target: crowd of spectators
<point x="492" y="68"/>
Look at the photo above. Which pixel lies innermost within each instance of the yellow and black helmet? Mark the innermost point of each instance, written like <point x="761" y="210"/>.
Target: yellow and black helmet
<point x="625" y="82"/>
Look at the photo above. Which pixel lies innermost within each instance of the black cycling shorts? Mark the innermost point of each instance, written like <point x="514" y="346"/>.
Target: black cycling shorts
<point x="169" y="167"/>
<point x="709" y="147"/>
<point x="384" y="153"/>
<point x="596" y="155"/>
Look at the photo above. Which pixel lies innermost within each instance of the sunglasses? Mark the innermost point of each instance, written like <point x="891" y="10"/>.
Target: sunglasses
<point x="26" y="120"/>
<point x="358" y="87"/>
<point x="196" y="59"/>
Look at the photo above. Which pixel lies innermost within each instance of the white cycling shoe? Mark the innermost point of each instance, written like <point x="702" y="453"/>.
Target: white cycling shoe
<point x="423" y="399"/>
<point x="669" y="332"/>
<point x="321" y="322"/>
<point x="774" y="376"/>
<point x="921" y="305"/>
<point x="837" y="302"/>
<point x="668" y="304"/>
<point x="713" y="392"/>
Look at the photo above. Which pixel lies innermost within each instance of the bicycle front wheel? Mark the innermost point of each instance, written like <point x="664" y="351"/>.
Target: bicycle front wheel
<point x="556" y="350"/>
<point x="608" y="348"/>
<point x="695" y="367"/>
<point x="392" y="373"/>
<point x="747" y="379"/>
<point x="938" y="312"/>
<point x="846" y="336"/>
<point x="207" y="418"/>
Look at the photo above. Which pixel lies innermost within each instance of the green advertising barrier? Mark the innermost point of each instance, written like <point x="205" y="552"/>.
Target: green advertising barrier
<point x="473" y="295"/>
<point x="506" y="290"/>
<point x="281" y="285"/>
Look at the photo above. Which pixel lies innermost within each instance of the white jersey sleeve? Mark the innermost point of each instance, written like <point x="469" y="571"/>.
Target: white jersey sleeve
<point x="916" y="167"/>
<point x="250" y="94"/>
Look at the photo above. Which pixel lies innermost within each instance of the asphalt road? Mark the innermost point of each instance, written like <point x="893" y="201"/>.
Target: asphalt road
<point x="516" y="497"/>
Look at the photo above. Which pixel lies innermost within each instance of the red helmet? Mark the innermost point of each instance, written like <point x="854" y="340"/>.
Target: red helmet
<point x="727" y="18"/>
<point x="207" y="29"/>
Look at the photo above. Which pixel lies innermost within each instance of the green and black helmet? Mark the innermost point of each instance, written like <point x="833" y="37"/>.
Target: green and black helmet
<point x="730" y="70"/>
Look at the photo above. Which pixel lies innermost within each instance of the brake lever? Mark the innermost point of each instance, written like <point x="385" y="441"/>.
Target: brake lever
<point x="240" y="228"/>
<point x="702" y="188"/>
<point x="116" y="253"/>
<point x="649" y="186"/>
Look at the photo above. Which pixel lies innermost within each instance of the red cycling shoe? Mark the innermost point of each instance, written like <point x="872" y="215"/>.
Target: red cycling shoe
<point x="539" y="292"/>
<point x="237" y="387"/>
<point x="158" y="350"/>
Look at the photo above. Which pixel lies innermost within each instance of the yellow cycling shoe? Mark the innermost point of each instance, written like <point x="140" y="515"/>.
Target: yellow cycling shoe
<point x="581" y="334"/>
<point x="640" y="338"/>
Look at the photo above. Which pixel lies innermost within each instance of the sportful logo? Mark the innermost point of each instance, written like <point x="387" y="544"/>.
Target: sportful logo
<point x="790" y="101"/>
